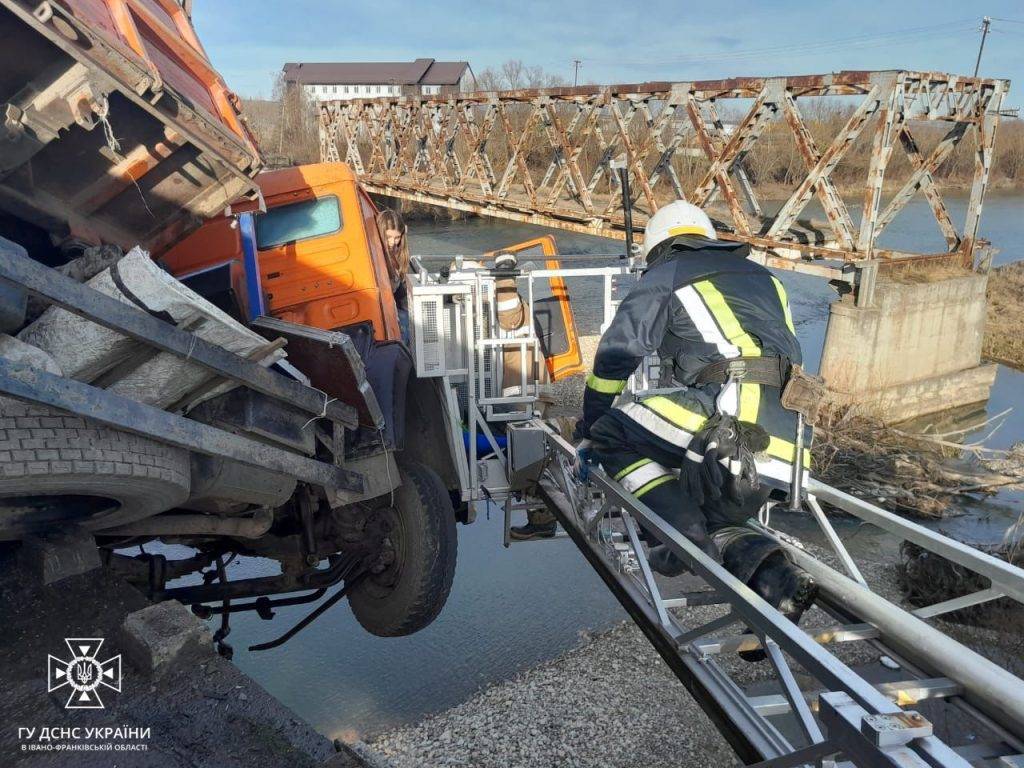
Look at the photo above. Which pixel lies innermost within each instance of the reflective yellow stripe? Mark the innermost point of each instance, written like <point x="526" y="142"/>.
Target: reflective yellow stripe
<point x="675" y="413"/>
<point x="750" y="394"/>
<point x="631" y="467"/>
<point x="654" y="484"/>
<point x="656" y="424"/>
<point x="726" y="319"/>
<point x="691" y="229"/>
<point x="784" y="300"/>
<point x="643" y="476"/>
<point x="605" y="386"/>
<point x="783" y="449"/>
<point x="750" y="402"/>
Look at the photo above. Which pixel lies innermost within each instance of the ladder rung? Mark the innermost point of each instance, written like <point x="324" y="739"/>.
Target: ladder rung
<point x="841" y="633"/>
<point x="903" y="693"/>
<point x="704" y="597"/>
<point x="989" y="751"/>
<point x="908" y="692"/>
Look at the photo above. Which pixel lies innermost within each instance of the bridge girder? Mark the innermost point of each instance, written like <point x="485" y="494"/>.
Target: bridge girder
<point x="546" y="156"/>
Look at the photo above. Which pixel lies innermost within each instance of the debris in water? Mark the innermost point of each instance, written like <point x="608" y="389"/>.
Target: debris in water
<point x="920" y="474"/>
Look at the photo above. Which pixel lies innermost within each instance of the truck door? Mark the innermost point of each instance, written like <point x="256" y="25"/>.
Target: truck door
<point x="552" y="310"/>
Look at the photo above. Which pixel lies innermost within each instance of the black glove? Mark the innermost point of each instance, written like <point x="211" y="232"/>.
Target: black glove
<point x="701" y="475"/>
<point x="742" y="478"/>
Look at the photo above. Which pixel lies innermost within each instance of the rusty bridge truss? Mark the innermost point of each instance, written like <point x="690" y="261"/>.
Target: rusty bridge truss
<point x="549" y="156"/>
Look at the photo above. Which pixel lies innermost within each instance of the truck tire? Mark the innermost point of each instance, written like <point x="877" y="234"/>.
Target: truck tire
<point x="57" y="470"/>
<point x="410" y="593"/>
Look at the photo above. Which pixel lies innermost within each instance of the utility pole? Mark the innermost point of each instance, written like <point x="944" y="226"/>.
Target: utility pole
<point x="986" y="22"/>
<point x="576" y="70"/>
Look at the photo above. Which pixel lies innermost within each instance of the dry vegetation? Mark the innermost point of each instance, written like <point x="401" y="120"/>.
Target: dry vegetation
<point x="919" y="474"/>
<point x="928" y="578"/>
<point x="1004" y="328"/>
<point x="285" y="126"/>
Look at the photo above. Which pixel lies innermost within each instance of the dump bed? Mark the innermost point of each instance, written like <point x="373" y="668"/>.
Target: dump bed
<point x="114" y="126"/>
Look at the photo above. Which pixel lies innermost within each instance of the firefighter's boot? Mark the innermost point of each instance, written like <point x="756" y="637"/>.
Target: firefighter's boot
<point x="785" y="586"/>
<point x="540" y="524"/>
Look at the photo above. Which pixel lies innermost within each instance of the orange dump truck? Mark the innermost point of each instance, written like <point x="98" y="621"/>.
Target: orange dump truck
<point x="264" y="402"/>
<point x="172" y="414"/>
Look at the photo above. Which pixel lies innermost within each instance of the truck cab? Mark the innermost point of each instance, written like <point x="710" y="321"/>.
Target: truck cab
<point x="321" y="261"/>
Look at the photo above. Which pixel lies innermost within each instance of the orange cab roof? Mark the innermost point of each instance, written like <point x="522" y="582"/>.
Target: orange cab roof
<point x="296" y="177"/>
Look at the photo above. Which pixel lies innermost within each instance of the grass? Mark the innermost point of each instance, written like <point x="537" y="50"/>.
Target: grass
<point x="1004" y="327"/>
<point x="925" y="272"/>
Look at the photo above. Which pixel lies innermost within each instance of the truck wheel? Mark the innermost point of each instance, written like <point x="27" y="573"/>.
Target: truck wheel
<point x="57" y="470"/>
<point x="411" y="591"/>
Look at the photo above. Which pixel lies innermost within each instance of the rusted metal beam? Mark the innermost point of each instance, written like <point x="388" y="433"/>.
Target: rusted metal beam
<point x="544" y="155"/>
<point x="922" y="180"/>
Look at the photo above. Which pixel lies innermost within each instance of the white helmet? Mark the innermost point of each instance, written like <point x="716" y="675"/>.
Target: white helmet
<point x="677" y="218"/>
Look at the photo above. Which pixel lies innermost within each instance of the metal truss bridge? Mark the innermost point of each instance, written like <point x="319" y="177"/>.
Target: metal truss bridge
<point x="548" y="157"/>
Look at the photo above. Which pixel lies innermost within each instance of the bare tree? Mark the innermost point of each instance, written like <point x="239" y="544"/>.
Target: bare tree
<point x="513" y="74"/>
<point x="285" y="127"/>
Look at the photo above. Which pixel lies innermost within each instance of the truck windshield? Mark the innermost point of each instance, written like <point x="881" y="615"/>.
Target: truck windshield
<point x="298" y="221"/>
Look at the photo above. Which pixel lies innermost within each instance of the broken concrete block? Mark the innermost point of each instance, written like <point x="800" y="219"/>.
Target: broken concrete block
<point x="12" y="298"/>
<point x="162" y="635"/>
<point x="17" y="351"/>
<point x="54" y="557"/>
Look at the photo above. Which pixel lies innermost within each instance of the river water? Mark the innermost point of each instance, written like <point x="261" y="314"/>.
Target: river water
<point x="510" y="609"/>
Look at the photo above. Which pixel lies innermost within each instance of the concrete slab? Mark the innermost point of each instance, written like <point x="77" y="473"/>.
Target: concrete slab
<point x="53" y="558"/>
<point x="160" y="636"/>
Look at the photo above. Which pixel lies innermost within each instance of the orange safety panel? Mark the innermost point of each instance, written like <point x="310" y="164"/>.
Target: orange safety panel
<point x="562" y="351"/>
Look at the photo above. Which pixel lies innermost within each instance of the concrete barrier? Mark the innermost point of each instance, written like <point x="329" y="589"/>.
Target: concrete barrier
<point x="916" y="350"/>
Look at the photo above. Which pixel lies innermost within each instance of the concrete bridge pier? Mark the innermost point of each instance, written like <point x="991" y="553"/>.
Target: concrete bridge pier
<point x="915" y="350"/>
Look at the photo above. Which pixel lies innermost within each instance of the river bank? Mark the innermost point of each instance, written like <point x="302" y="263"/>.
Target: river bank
<point x="1004" y="326"/>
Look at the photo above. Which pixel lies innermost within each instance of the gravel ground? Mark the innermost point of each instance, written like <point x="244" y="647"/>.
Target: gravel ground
<point x="609" y="702"/>
<point x="613" y="702"/>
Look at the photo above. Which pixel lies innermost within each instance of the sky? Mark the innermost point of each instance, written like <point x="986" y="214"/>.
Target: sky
<point x="250" y="40"/>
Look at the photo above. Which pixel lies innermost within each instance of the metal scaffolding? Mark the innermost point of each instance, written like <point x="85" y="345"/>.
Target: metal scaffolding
<point x="548" y="156"/>
<point x="819" y="711"/>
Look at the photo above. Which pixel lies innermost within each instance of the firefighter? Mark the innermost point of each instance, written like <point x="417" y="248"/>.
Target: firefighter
<point x="722" y="329"/>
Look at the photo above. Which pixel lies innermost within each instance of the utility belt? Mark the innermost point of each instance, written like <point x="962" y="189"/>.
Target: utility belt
<point x="800" y="391"/>
<point x="772" y="371"/>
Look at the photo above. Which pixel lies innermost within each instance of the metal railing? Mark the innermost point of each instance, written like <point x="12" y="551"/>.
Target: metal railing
<point x="841" y="717"/>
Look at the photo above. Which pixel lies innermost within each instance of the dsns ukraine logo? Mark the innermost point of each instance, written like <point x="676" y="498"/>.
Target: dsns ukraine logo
<point x="85" y="673"/>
